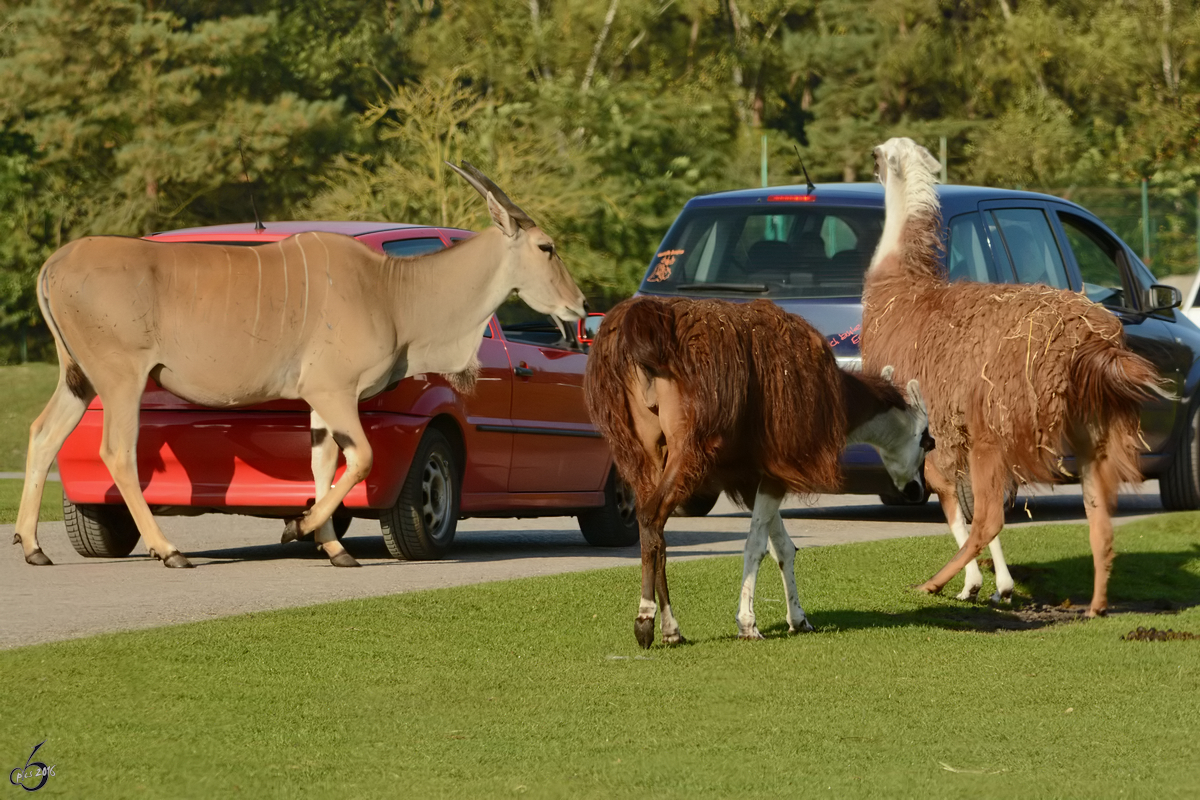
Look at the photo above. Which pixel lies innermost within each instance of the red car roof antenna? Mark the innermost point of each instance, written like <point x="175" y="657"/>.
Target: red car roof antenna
<point x="258" y="226"/>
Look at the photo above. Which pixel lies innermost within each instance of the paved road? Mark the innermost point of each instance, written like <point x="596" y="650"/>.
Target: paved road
<point x="241" y="567"/>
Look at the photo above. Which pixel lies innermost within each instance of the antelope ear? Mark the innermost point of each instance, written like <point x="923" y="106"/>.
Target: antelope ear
<point x="887" y="372"/>
<point x="501" y="217"/>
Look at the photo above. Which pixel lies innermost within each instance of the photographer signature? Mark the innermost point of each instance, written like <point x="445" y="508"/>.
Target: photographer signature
<point x="31" y="771"/>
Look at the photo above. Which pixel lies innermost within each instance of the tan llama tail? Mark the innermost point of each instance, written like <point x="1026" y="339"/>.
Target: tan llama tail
<point x="1109" y="383"/>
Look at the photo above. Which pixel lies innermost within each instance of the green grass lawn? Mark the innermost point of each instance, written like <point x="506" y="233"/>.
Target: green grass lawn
<point x="537" y="687"/>
<point x="24" y="391"/>
<point x="10" y="501"/>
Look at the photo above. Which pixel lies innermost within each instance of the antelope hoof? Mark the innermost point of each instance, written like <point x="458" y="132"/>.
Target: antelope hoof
<point x="803" y="626"/>
<point x="1097" y="612"/>
<point x="1003" y="597"/>
<point x="643" y="629"/>
<point x="674" y="638"/>
<point x="38" y="559"/>
<point x="929" y="587"/>
<point x="291" y="531"/>
<point x="177" y="560"/>
<point x="344" y="559"/>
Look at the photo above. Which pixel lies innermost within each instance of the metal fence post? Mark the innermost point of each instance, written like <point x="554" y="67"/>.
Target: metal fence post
<point x="1145" y="223"/>
<point x="764" y="160"/>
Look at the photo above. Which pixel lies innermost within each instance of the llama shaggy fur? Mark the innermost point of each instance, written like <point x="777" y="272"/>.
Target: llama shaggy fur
<point x="708" y="394"/>
<point x="1014" y="375"/>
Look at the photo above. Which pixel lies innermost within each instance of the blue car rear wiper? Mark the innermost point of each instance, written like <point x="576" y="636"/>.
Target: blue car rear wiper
<point x="749" y="288"/>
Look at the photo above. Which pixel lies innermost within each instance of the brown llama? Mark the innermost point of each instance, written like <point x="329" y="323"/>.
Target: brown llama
<point x="710" y="394"/>
<point x="1014" y="375"/>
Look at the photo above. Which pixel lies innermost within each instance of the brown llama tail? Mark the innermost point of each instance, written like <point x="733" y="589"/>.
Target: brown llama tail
<point x="1109" y="383"/>
<point x="647" y="331"/>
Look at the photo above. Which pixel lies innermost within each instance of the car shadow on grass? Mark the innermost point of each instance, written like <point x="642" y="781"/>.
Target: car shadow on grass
<point x="1049" y="593"/>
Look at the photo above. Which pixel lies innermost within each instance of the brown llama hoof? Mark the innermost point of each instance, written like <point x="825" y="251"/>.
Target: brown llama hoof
<point x="1092" y="613"/>
<point x="344" y="559"/>
<point x="928" y="588"/>
<point x="643" y="629"/>
<point x="674" y="639"/>
<point x="291" y="531"/>
<point x="177" y="560"/>
<point x="38" y="559"/>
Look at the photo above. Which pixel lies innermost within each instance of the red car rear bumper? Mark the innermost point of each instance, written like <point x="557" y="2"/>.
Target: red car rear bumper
<point x="213" y="459"/>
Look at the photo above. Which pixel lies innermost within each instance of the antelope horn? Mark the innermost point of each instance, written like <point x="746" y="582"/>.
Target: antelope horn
<point x="483" y="184"/>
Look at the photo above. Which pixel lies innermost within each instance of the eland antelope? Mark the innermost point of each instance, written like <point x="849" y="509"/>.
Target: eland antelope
<point x="318" y="317"/>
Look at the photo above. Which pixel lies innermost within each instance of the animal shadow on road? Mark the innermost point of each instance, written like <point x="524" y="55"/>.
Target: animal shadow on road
<point x="1047" y="594"/>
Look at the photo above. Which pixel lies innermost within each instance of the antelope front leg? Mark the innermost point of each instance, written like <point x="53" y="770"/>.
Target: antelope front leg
<point x="324" y="466"/>
<point x="339" y="416"/>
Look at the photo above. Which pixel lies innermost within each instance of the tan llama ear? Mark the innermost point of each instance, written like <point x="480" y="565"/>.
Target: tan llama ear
<point x="887" y="372"/>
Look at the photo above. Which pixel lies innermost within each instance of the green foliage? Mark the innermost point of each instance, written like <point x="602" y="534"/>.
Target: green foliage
<point x="24" y="391"/>
<point x="536" y="687"/>
<point x="601" y="118"/>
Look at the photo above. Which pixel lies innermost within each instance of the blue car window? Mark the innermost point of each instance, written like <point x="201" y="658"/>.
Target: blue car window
<point x="967" y="252"/>
<point x="1096" y="255"/>
<point x="788" y="250"/>
<point x="1031" y="246"/>
<point x="413" y="247"/>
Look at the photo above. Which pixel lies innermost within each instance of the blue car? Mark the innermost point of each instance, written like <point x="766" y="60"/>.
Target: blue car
<point x="808" y="247"/>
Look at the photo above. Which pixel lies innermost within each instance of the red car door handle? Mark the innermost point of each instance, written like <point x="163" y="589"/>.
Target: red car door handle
<point x="523" y="371"/>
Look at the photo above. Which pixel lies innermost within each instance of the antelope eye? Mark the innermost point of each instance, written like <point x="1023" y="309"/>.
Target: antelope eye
<point x="546" y="247"/>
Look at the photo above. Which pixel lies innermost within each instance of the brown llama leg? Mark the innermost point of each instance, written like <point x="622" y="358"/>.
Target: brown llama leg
<point x="986" y="464"/>
<point x="652" y="519"/>
<point x="948" y="497"/>
<point x="665" y="431"/>
<point x="1099" y="499"/>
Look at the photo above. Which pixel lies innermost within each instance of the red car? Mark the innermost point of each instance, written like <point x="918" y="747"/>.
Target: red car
<point x="521" y="445"/>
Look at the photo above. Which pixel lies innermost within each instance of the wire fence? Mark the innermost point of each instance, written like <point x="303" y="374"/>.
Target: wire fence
<point x="1160" y="225"/>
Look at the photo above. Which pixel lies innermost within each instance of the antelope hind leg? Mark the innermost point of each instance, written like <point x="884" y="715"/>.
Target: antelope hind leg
<point x="46" y="437"/>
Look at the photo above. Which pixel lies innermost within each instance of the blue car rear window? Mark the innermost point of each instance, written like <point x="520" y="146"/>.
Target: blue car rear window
<point x="781" y="251"/>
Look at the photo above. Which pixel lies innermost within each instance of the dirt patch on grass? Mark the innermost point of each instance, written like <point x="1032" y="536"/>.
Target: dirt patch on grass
<point x="1155" y="635"/>
<point x="1032" y="615"/>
